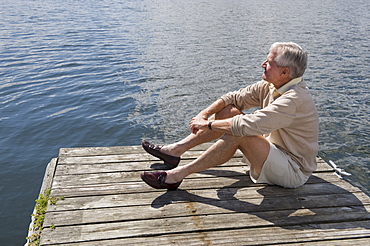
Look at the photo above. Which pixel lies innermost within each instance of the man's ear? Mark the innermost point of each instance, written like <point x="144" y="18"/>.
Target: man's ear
<point x="285" y="71"/>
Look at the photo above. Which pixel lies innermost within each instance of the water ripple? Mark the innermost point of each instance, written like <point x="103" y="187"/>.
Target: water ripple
<point x="104" y="73"/>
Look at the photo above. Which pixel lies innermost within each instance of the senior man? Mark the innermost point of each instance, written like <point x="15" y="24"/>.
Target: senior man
<point x="279" y="140"/>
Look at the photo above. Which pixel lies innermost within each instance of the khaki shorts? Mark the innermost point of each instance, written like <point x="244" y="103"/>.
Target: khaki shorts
<point x="280" y="169"/>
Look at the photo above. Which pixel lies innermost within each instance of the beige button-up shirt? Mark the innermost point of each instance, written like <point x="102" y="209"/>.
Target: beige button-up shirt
<point x="290" y="120"/>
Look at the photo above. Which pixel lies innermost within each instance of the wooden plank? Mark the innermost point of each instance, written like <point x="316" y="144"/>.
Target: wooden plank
<point x="46" y="184"/>
<point x="317" y="234"/>
<point x="117" y="177"/>
<point x="115" y="150"/>
<point x="162" y="198"/>
<point x="336" y="242"/>
<point x="72" y="169"/>
<point x="49" y="175"/>
<point x="78" y="168"/>
<point x="150" y="227"/>
<point x="121" y="155"/>
<point x="137" y="186"/>
<point x="206" y="206"/>
<point x="128" y="157"/>
<point x="233" y="172"/>
<point x="96" y="151"/>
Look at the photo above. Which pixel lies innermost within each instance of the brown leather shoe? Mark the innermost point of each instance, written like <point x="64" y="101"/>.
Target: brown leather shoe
<point x="157" y="180"/>
<point x="169" y="160"/>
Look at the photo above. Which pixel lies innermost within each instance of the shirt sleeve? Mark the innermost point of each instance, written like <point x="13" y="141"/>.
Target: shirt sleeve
<point x="248" y="97"/>
<point x="279" y="114"/>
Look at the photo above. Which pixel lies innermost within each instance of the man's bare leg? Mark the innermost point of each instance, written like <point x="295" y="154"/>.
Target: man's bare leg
<point x="255" y="148"/>
<point x="202" y="136"/>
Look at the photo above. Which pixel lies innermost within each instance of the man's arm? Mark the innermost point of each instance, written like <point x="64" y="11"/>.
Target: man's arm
<point x="201" y="120"/>
<point x="215" y="107"/>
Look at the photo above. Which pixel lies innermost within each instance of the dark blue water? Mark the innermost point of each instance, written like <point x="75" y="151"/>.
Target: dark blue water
<point x="106" y="73"/>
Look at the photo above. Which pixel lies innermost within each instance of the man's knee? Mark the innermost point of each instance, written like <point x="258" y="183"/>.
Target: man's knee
<point x="228" y="112"/>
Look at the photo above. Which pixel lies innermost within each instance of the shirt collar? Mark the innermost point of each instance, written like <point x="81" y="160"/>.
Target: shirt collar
<point x="288" y="85"/>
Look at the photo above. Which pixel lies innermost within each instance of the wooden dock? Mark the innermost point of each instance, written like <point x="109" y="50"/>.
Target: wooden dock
<point x="106" y="203"/>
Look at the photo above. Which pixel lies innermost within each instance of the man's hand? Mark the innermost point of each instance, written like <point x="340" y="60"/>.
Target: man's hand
<point x="201" y="120"/>
<point x="198" y="123"/>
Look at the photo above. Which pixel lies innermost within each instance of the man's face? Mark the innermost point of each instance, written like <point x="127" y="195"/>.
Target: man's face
<point x="272" y="73"/>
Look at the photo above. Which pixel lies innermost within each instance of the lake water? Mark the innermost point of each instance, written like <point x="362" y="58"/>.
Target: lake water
<point x="108" y="72"/>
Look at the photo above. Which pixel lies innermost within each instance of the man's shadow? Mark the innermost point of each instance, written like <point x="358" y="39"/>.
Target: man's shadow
<point x="318" y="201"/>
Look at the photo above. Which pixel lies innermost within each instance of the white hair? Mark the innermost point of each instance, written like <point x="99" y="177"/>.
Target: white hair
<point x="290" y="55"/>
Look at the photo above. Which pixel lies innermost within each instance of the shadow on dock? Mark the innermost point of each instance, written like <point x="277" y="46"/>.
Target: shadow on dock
<point x="309" y="206"/>
<point x="106" y="203"/>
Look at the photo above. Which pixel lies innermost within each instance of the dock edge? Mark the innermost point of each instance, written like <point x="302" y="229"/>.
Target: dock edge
<point x="46" y="184"/>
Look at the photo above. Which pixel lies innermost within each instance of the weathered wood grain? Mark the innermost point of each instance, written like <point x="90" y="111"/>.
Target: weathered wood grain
<point x="318" y="234"/>
<point x="46" y="184"/>
<point x="234" y="173"/>
<point x="207" y="206"/>
<point x="115" y="150"/>
<point x="80" y="168"/>
<point x="137" y="186"/>
<point x="227" y="193"/>
<point x="106" y="203"/>
<point x="176" y="225"/>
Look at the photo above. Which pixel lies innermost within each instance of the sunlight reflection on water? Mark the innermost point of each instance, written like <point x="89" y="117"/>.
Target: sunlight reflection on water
<point x="105" y="73"/>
